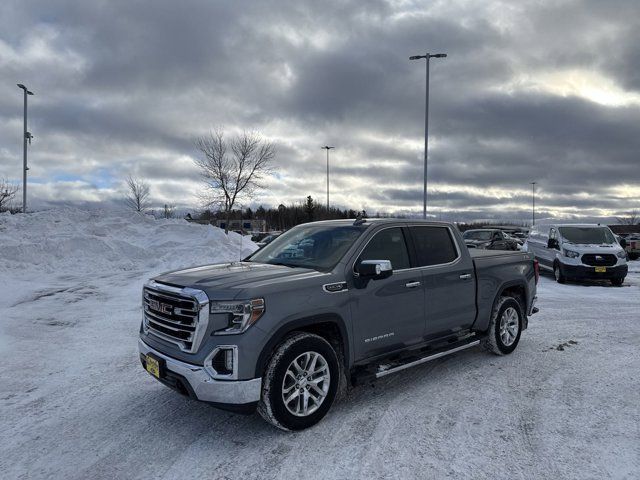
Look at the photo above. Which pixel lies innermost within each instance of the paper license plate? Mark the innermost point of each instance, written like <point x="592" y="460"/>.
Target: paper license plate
<point x="601" y="269"/>
<point x="153" y="366"/>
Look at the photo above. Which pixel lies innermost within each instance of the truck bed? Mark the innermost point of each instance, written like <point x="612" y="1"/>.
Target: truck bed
<point x="478" y="252"/>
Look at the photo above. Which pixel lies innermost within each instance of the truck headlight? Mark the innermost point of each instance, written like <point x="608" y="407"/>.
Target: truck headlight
<point x="570" y="253"/>
<point x="621" y="254"/>
<point x="241" y="315"/>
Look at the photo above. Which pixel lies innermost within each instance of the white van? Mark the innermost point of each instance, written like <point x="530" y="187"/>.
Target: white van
<point x="586" y="251"/>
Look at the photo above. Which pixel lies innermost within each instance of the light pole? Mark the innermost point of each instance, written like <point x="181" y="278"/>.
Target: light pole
<point x="327" y="148"/>
<point x="428" y="56"/>
<point x="27" y="136"/>
<point x="533" y="203"/>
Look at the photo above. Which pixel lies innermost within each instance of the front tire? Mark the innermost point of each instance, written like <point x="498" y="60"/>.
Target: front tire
<point x="505" y="327"/>
<point x="617" y="282"/>
<point x="300" y="383"/>
<point x="557" y="273"/>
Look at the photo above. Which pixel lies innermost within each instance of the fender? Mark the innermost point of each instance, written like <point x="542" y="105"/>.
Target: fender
<point x="301" y="323"/>
<point x="482" y="324"/>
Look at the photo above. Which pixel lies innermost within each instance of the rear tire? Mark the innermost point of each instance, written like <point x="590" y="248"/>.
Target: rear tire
<point x="617" y="282"/>
<point x="505" y="327"/>
<point x="557" y="273"/>
<point x="300" y="382"/>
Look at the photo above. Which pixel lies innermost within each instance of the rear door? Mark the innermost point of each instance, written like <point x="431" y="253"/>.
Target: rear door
<point x="448" y="280"/>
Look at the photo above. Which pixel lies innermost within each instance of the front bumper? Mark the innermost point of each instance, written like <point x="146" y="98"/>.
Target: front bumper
<point x="580" y="272"/>
<point x="195" y="381"/>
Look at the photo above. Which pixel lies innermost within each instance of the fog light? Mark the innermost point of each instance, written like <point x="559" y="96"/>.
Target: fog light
<point x="228" y="360"/>
<point x="222" y="362"/>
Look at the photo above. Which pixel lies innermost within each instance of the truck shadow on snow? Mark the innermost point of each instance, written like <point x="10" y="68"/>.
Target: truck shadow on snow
<point x="360" y="409"/>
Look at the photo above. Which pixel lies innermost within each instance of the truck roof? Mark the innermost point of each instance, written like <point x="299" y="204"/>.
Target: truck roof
<point x="378" y="221"/>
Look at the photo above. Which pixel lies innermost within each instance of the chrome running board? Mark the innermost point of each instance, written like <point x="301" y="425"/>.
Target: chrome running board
<point x="426" y="359"/>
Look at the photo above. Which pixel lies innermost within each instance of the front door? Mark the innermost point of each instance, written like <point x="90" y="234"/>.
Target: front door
<point x="387" y="313"/>
<point x="548" y="255"/>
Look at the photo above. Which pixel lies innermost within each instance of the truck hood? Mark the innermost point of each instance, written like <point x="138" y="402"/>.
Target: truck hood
<point x="225" y="281"/>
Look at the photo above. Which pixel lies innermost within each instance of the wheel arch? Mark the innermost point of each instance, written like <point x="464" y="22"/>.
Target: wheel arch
<point x="516" y="289"/>
<point x="331" y="327"/>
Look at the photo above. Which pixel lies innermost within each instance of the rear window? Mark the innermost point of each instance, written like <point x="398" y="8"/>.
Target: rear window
<point x="434" y="245"/>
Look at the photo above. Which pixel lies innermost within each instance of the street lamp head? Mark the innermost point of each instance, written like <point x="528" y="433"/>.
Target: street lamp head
<point x="417" y="57"/>
<point x="326" y="147"/>
<point x="25" y="89"/>
<point x="438" y="55"/>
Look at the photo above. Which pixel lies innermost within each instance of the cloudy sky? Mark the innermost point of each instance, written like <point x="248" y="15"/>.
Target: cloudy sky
<point x="530" y="91"/>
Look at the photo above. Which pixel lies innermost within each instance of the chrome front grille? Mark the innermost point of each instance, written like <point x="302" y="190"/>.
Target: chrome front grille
<point x="176" y="315"/>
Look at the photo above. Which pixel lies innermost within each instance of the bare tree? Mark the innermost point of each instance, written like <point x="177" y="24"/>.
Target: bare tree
<point x="631" y="218"/>
<point x="137" y="198"/>
<point x="8" y="190"/>
<point x="232" y="169"/>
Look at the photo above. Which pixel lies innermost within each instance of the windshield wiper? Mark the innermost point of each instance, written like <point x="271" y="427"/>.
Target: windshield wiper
<point x="296" y="265"/>
<point x="283" y="264"/>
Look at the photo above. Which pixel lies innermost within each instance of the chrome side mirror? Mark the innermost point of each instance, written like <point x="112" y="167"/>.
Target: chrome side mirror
<point x="375" y="269"/>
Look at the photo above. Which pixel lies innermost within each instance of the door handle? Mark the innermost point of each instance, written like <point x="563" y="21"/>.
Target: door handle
<point x="465" y="276"/>
<point x="412" y="284"/>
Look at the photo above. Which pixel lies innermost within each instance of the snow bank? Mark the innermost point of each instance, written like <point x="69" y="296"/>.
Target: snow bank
<point x="73" y="242"/>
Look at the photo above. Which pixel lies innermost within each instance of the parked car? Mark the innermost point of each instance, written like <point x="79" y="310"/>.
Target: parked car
<point x="632" y="245"/>
<point x="579" y="252"/>
<point x="489" y="239"/>
<point x="519" y="241"/>
<point x="326" y="303"/>
<point x="258" y="236"/>
<point x="268" y="239"/>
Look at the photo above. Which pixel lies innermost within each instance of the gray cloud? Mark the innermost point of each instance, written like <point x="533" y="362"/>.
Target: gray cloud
<point x="543" y="91"/>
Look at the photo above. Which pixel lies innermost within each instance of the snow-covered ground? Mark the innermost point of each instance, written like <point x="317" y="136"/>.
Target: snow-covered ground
<point x="75" y="402"/>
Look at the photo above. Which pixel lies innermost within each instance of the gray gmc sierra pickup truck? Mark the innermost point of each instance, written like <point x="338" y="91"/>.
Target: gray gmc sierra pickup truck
<point x="328" y="303"/>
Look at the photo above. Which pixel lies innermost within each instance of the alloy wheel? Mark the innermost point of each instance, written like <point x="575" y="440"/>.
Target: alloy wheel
<point x="306" y="384"/>
<point x="509" y="326"/>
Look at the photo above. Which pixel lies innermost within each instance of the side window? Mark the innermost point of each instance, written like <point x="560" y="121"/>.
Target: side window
<point x="388" y="244"/>
<point x="434" y="245"/>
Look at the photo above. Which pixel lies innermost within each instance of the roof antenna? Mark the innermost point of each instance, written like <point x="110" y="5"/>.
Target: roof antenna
<point x="359" y="219"/>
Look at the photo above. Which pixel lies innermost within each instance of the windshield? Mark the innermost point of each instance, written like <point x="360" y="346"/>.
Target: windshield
<point x="587" y="235"/>
<point x="477" y="235"/>
<point x="319" y="247"/>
